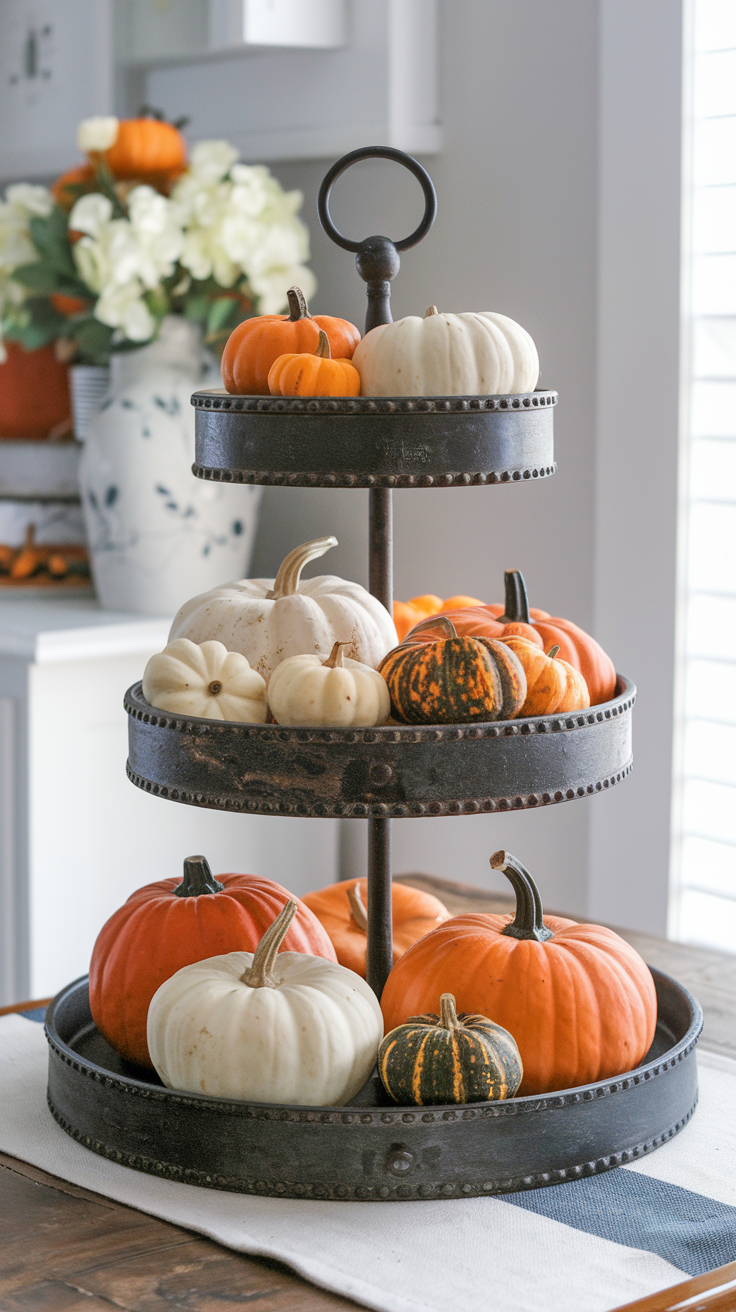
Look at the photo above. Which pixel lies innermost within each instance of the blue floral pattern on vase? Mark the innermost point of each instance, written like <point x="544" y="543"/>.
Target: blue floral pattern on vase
<point x="157" y="535"/>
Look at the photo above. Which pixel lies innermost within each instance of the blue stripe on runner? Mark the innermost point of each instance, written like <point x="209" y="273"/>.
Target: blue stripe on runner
<point x="691" y="1231"/>
<point x="35" y="1013"/>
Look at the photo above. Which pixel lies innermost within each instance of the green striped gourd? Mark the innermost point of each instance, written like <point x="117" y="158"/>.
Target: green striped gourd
<point x="449" y="1059"/>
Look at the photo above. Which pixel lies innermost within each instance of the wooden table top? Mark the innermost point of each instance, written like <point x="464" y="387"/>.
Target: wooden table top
<point x="66" y="1249"/>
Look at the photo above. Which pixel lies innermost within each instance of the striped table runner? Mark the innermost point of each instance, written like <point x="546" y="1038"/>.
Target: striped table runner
<point x="586" y="1246"/>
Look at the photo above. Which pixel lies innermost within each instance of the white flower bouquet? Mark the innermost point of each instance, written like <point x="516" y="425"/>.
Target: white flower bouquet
<point x="97" y="262"/>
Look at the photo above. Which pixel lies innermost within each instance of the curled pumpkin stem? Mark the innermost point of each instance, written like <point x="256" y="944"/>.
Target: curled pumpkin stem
<point x="298" y="308"/>
<point x="286" y="582"/>
<point x="336" y="659"/>
<point x="260" y="974"/>
<point x="357" y="908"/>
<point x="323" y="346"/>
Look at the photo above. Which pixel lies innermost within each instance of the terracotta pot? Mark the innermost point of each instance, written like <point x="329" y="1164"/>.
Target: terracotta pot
<point x="34" y="393"/>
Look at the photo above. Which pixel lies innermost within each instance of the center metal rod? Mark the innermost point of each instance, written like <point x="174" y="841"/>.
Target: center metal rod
<point x="380" y="921"/>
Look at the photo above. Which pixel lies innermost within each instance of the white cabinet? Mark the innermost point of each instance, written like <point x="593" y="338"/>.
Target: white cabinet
<point x="281" y="79"/>
<point x="75" y="836"/>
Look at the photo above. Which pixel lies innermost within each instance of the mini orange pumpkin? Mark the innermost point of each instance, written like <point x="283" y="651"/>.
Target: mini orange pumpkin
<point x="551" y="684"/>
<point x="314" y="374"/>
<point x="255" y="344"/>
<point x="578" y="999"/>
<point x="341" y="909"/>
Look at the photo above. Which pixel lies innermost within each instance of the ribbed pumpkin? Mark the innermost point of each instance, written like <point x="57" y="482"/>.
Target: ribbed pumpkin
<point x="516" y="618"/>
<point x="255" y="344"/>
<point x="551" y="684"/>
<point x="341" y="908"/>
<point x="147" y="149"/>
<point x="170" y="924"/>
<point x="313" y="373"/>
<point x="579" y="1001"/>
<point x="453" y="680"/>
<point x="416" y="609"/>
<point x="449" y="1059"/>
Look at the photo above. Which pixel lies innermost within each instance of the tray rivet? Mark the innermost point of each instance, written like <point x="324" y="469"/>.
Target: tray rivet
<point x="399" y="1160"/>
<point x="448" y="1189"/>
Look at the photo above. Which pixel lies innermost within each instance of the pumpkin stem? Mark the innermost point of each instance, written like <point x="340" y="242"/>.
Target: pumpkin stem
<point x="357" y="909"/>
<point x="260" y="974"/>
<point x="198" y="879"/>
<point x="298" y="308"/>
<point x="286" y="582"/>
<point x="437" y="622"/>
<point x="335" y="660"/>
<point x="430" y="311"/>
<point x="516" y="602"/>
<point x="448" y="1012"/>
<point x="529" y="919"/>
<point x="323" y="346"/>
<point x="553" y="652"/>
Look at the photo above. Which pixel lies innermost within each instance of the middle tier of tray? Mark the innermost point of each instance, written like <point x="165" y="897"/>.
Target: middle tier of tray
<point x="391" y="771"/>
<point x="402" y="441"/>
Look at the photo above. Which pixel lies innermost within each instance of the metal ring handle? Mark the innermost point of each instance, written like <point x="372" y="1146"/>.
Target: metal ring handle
<point x="377" y="152"/>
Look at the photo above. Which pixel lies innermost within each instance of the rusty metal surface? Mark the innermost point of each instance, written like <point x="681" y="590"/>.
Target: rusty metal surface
<point x="369" y="1151"/>
<point x="392" y="771"/>
<point x="417" y="442"/>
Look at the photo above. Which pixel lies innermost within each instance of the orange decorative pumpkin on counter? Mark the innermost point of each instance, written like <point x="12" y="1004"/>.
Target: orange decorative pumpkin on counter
<point x="170" y="924"/>
<point x="255" y="344"/>
<point x="578" y="999"/>
<point x="313" y="374"/>
<point x="341" y="909"/>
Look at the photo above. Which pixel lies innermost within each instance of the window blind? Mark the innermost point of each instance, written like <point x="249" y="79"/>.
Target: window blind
<point x="704" y="901"/>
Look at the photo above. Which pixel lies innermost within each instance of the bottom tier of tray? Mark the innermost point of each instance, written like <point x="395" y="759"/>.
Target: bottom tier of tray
<point x="369" y="1150"/>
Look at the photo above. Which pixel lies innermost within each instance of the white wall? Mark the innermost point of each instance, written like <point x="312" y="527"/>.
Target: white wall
<point x="559" y="205"/>
<point x="515" y="232"/>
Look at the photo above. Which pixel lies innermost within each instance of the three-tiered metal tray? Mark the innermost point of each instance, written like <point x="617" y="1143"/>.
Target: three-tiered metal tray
<point x="374" y="1149"/>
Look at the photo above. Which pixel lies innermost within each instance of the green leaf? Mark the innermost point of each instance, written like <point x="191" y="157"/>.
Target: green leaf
<point x="220" y="313"/>
<point x="196" y="307"/>
<point x="93" y="337"/>
<point x="38" y="277"/>
<point x="42" y="314"/>
<point x="33" y="337"/>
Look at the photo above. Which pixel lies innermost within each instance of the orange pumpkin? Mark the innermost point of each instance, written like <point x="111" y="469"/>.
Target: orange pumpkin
<point x="313" y="374"/>
<point x="341" y="908"/>
<point x="515" y="617"/>
<point x="255" y="344"/>
<point x="411" y="612"/>
<point x="170" y="924"/>
<point x="81" y="176"/>
<point x="578" y="999"/>
<point x="446" y="679"/>
<point x="551" y="684"/>
<point x="147" y="149"/>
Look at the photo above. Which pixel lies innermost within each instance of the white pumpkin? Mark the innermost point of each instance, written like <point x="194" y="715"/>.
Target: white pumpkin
<point x="338" y="692"/>
<point x="267" y="620"/>
<point x="481" y="354"/>
<point x="207" y="680"/>
<point x="265" y="1028"/>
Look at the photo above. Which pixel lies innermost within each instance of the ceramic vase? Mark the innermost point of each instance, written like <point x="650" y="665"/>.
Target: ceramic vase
<point x="157" y="535"/>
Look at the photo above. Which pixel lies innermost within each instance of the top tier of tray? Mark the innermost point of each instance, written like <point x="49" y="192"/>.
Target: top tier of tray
<point x="425" y="441"/>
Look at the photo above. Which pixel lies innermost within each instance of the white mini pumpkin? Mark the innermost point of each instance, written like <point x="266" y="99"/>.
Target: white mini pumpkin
<point x="338" y="692"/>
<point x="267" y="620"/>
<point x="206" y="680"/>
<point x="286" y="1028"/>
<point x="482" y="354"/>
